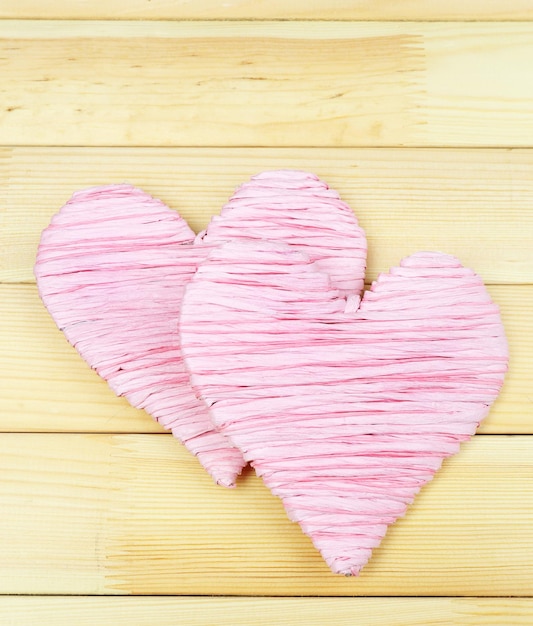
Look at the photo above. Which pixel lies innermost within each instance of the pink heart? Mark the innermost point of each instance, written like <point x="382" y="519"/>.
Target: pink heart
<point x="344" y="410"/>
<point x="112" y="266"/>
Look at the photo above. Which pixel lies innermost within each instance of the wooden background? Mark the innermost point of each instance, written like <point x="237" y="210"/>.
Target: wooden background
<point x="421" y="114"/>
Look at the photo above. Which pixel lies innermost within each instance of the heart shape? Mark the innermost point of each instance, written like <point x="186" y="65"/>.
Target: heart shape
<point x="112" y="266"/>
<point x="345" y="409"/>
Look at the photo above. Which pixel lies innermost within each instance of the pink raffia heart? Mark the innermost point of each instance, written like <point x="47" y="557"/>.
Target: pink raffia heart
<point x="345" y="409"/>
<point x="112" y="266"/>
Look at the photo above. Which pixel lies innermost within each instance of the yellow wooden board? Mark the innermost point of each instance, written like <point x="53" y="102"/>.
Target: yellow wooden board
<point x="266" y="83"/>
<point x="425" y="127"/>
<point x="270" y="9"/>
<point x="163" y="611"/>
<point x="47" y="387"/>
<point x="85" y="514"/>
<point x="476" y="204"/>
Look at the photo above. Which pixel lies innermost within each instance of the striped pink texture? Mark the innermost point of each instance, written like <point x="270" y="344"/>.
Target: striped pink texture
<point x="299" y="209"/>
<point x="112" y="266"/>
<point x="345" y="411"/>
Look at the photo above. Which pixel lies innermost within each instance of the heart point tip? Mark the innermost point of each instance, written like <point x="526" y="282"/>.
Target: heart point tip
<point x="226" y="482"/>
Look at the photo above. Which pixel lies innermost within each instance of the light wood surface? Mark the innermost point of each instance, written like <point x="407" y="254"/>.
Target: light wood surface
<point x="476" y="204"/>
<point x="84" y="514"/>
<point x="270" y="9"/>
<point x="266" y="83"/>
<point x="419" y="113"/>
<point x="145" y="611"/>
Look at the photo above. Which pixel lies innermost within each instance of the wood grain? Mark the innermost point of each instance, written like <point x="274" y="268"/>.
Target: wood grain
<point x="425" y="127"/>
<point x="168" y="611"/>
<point x="475" y="204"/>
<point x="44" y="383"/>
<point x="84" y="514"/>
<point x="270" y="9"/>
<point x="266" y="83"/>
<point x="47" y="387"/>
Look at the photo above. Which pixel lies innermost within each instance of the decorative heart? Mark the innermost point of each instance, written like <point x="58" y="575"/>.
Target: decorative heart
<point x="345" y="409"/>
<point x="112" y="266"/>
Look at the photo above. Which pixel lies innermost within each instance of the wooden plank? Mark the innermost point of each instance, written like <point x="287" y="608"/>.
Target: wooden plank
<point x="270" y="9"/>
<point x="266" y="83"/>
<point x="84" y="514"/>
<point x="47" y="387"/>
<point x="475" y="204"/>
<point x="123" y="610"/>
